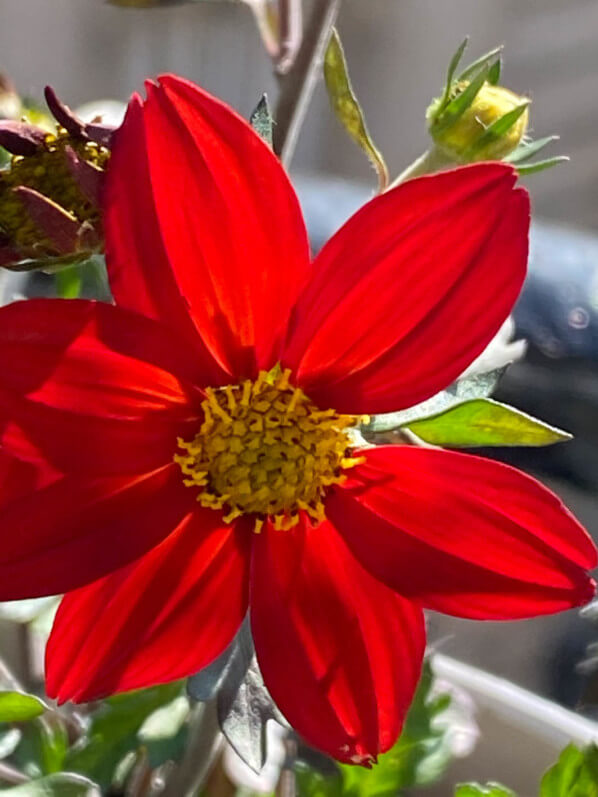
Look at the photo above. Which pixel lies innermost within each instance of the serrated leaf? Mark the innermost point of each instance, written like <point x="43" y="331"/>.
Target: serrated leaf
<point x="574" y="775"/>
<point x="499" y="127"/>
<point x="459" y="104"/>
<point x="452" y="68"/>
<point x="470" y="387"/>
<point x="244" y="704"/>
<point x="64" y="784"/>
<point x="485" y="422"/>
<point x="526" y="150"/>
<point x="486" y="60"/>
<point x="20" y="707"/>
<point x="347" y="108"/>
<point x="540" y="166"/>
<point x="261" y="120"/>
<point x="489" y="790"/>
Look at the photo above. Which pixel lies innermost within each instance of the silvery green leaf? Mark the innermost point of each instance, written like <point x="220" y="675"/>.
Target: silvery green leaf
<point x="477" y="385"/>
<point x="243" y="703"/>
<point x="261" y="120"/>
<point x="9" y="739"/>
<point x="26" y="610"/>
<point x="234" y="661"/>
<point x="469" y="387"/>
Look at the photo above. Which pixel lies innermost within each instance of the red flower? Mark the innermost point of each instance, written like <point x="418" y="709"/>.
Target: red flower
<point x="163" y="444"/>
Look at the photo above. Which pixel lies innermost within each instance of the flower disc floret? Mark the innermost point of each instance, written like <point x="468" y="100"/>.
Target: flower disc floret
<point x="265" y="449"/>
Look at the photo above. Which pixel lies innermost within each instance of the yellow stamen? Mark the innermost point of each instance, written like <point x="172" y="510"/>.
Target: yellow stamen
<point x="265" y="450"/>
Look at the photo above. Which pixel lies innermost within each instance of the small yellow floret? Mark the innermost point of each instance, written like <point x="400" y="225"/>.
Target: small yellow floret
<point x="266" y="450"/>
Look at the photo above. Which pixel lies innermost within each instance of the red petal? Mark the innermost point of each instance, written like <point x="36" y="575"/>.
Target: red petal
<point x="76" y="530"/>
<point x="463" y="535"/>
<point x="202" y="224"/>
<point x="339" y="652"/>
<point x="411" y="290"/>
<point x="161" y="618"/>
<point x="19" y="478"/>
<point x="85" y="384"/>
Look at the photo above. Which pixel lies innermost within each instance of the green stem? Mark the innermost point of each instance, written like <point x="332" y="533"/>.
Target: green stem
<point x="431" y="161"/>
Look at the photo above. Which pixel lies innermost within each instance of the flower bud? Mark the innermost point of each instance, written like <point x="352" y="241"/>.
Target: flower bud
<point x="490" y="128"/>
<point x="49" y="194"/>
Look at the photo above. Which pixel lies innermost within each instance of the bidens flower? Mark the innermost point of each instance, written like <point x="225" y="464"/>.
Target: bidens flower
<point x="196" y="440"/>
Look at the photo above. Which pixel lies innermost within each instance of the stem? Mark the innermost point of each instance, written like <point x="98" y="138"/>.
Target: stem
<point x="431" y="161"/>
<point x="203" y="747"/>
<point x="297" y="86"/>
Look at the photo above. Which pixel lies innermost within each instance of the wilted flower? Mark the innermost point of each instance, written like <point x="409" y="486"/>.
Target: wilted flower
<point x="49" y="194"/>
<point x="203" y="430"/>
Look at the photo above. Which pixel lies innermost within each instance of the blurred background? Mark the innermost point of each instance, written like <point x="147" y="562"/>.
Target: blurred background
<point x="398" y="52"/>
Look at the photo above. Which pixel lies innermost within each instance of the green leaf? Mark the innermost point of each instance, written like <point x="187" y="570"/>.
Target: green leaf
<point x="419" y="757"/>
<point x="68" y="282"/>
<point x="461" y="102"/>
<point x="488" y="60"/>
<point x="528" y="148"/>
<point x="114" y="729"/>
<point x="574" y="775"/>
<point x="65" y="784"/>
<point x="347" y="108"/>
<point x="540" y="166"/>
<point x="261" y="120"/>
<point x="489" y="790"/>
<point x="485" y="422"/>
<point x="19" y="707"/>
<point x="469" y="387"/>
<point x="498" y="128"/>
<point x="43" y="746"/>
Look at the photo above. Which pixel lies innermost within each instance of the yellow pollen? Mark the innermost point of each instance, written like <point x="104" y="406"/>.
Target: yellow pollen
<point x="264" y="449"/>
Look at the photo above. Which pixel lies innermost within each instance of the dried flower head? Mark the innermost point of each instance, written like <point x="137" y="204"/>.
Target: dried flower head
<point x="49" y="194"/>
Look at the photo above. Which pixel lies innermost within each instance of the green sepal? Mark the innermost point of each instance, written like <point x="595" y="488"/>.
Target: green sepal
<point x="261" y="120"/>
<point x="346" y="106"/>
<point x="485" y="422"/>
<point x="488" y="60"/>
<point x="20" y="707"/>
<point x="458" y="105"/>
<point x="498" y="128"/>
<point x="452" y="68"/>
<point x="540" y="166"/>
<point x="529" y="148"/>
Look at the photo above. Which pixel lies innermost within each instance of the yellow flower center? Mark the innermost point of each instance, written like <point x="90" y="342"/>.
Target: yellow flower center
<point x="266" y="450"/>
<point x="47" y="172"/>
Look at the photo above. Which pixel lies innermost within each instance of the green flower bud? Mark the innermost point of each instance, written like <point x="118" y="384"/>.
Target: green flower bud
<point x="490" y="128"/>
